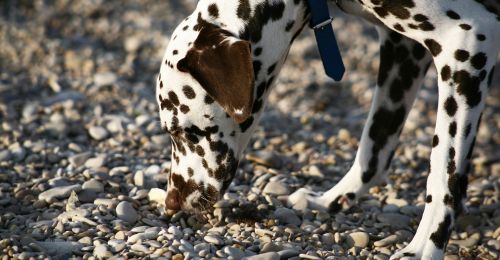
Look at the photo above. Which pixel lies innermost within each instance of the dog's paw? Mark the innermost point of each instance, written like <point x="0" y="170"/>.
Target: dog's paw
<point x="419" y="248"/>
<point x="304" y="198"/>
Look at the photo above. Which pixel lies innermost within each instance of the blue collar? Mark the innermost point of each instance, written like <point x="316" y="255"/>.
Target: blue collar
<point x="321" y="23"/>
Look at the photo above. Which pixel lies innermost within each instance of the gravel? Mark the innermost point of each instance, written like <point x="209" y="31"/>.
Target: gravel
<point x="84" y="162"/>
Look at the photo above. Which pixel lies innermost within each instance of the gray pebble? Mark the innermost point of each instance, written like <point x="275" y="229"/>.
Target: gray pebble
<point x="358" y="239"/>
<point x="213" y="240"/>
<point x="288" y="216"/>
<point x="265" y="256"/>
<point x="78" y="160"/>
<point x="276" y="188"/>
<point x="59" y="192"/>
<point x="98" y="133"/>
<point x="93" y="186"/>
<point x="125" y="211"/>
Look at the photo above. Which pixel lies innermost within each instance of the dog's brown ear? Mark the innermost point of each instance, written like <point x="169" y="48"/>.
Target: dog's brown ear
<point x="222" y="64"/>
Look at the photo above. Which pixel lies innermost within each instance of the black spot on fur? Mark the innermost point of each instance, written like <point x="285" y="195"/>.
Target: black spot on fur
<point x="335" y="206"/>
<point x="434" y="47"/>
<point x="418" y="51"/>
<point x="256" y="67"/>
<point x="428" y="199"/>
<point x="481" y="37"/>
<point x="213" y="10"/>
<point x="453" y="129"/>
<point x="175" y="52"/>
<point x="468" y="87"/>
<point x="452" y="15"/>
<point x="479" y="60"/>
<point x="468" y="128"/>
<point x="258" y="51"/>
<point x="188" y="92"/>
<point x="350" y="195"/>
<point x="244" y="10"/>
<point x="452" y="167"/>
<point x="465" y="26"/>
<point x="461" y="55"/>
<point x="435" y="141"/>
<point x="271" y="69"/>
<point x="399" y="27"/>
<point x="426" y="26"/>
<point x="440" y="237"/>
<point x="451" y="106"/>
<point x="263" y="13"/>
<point x="289" y="25"/>
<point x="184" y="109"/>
<point x="386" y="62"/>
<point x="385" y="123"/>
<point x="257" y="105"/>
<point x="173" y="98"/>
<point x="208" y="100"/>
<point x="246" y="124"/>
<point x="396" y="91"/>
<point x="445" y="73"/>
<point x="420" y="18"/>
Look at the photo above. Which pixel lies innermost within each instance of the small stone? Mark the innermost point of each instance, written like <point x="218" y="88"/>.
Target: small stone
<point x="386" y="241"/>
<point x="104" y="79"/>
<point x="236" y="253"/>
<point x="276" y="188"/>
<point x="101" y="251"/>
<point x="126" y="212"/>
<point x="358" y="239"/>
<point x="213" y="240"/>
<point x="59" y="192"/>
<point x="78" y="160"/>
<point x="140" y="248"/>
<point x="157" y="195"/>
<point x="116" y="245"/>
<point x="266" y="158"/>
<point x="468" y="242"/>
<point x="265" y="256"/>
<point x="288" y="216"/>
<point x="98" y="133"/>
<point x="288" y="253"/>
<point x="394" y="220"/>
<point x="344" y="135"/>
<point x="139" y="178"/>
<point x="93" y="186"/>
<point x="271" y="247"/>
<point x="95" y="162"/>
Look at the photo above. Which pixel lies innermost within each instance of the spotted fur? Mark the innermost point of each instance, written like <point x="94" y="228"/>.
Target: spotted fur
<point x="223" y="60"/>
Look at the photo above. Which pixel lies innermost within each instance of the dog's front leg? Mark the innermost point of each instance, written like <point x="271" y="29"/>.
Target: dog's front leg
<point x="403" y="64"/>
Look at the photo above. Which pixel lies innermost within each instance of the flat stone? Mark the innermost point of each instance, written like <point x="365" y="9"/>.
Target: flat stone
<point x="96" y="162"/>
<point x="104" y="78"/>
<point x="265" y="256"/>
<point x="394" y="220"/>
<point x="276" y="188"/>
<point x="157" y="195"/>
<point x="59" y="192"/>
<point x="288" y="253"/>
<point x="468" y="242"/>
<point x="93" y="186"/>
<point x="125" y="211"/>
<point x="358" y="239"/>
<point x="98" y="133"/>
<point x="116" y="245"/>
<point x="140" y="248"/>
<point x="266" y="158"/>
<point x="236" y="253"/>
<point x="287" y="216"/>
<point x="214" y="240"/>
<point x="392" y="239"/>
<point x="101" y="251"/>
<point x="78" y="160"/>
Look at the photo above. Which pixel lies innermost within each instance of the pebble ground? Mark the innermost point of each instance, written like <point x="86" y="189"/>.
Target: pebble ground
<point x="83" y="161"/>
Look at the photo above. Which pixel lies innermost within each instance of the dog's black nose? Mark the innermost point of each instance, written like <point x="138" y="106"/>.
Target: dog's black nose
<point x="173" y="200"/>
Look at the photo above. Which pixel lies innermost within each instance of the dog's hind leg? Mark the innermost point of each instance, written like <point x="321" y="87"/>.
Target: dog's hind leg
<point x="403" y="65"/>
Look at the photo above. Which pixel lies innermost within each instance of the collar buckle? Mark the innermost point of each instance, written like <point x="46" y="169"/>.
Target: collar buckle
<point x="321" y="25"/>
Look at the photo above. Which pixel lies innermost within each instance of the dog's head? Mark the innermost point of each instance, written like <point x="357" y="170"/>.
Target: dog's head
<point x="205" y="95"/>
<point x="211" y="90"/>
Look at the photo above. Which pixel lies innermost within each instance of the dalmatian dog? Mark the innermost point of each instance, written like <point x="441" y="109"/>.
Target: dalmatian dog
<point x="223" y="59"/>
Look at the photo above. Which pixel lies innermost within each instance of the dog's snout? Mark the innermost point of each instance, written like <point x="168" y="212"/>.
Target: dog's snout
<point x="173" y="201"/>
